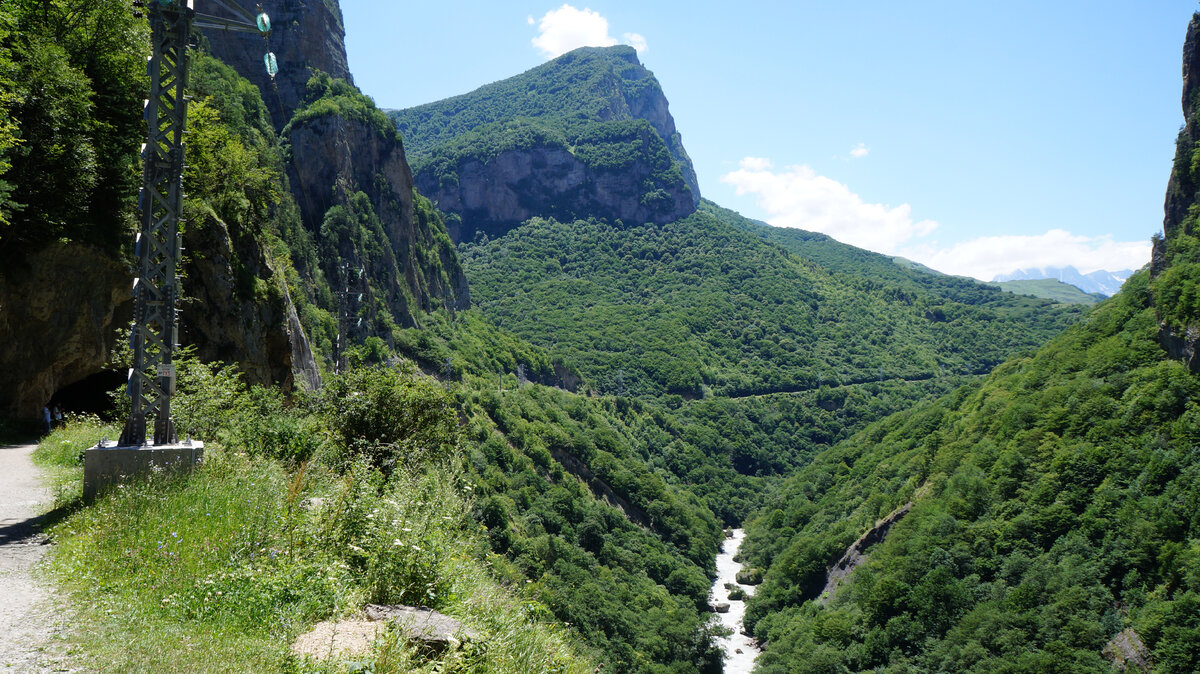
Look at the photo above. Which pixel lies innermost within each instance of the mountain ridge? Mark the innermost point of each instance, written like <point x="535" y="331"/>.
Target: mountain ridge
<point x="1102" y="281"/>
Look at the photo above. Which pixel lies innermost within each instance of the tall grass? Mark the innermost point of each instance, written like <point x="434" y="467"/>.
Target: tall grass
<point x="222" y="569"/>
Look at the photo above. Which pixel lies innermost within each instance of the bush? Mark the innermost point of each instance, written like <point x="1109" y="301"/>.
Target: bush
<point x="390" y="415"/>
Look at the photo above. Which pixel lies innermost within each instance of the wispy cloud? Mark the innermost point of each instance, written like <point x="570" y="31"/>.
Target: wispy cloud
<point x="566" y="28"/>
<point x="987" y="256"/>
<point x="796" y="196"/>
<point x="859" y="151"/>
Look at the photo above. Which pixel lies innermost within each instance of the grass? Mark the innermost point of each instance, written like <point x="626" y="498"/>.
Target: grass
<point x="222" y="569"/>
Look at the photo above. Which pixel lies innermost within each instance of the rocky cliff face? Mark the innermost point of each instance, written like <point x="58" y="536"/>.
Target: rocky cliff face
<point x="59" y="316"/>
<point x="238" y="310"/>
<point x="416" y="268"/>
<point x="305" y="35"/>
<point x="589" y="134"/>
<point x="494" y="195"/>
<point x="336" y="156"/>
<point x="1183" y="191"/>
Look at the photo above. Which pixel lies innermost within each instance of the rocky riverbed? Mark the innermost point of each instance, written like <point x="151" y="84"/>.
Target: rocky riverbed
<point x="740" y="650"/>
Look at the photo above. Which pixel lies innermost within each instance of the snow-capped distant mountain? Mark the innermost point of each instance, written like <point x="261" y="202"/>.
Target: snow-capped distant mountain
<point x="1100" y="281"/>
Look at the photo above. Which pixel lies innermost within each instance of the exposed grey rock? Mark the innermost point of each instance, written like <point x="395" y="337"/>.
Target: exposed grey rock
<point x="349" y="638"/>
<point x="305" y="35"/>
<point x="722" y="607"/>
<point x="422" y="624"/>
<point x="1126" y="651"/>
<point x="856" y="554"/>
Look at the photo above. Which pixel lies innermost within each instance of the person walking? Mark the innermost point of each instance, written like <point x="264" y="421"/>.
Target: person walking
<point x="46" y="418"/>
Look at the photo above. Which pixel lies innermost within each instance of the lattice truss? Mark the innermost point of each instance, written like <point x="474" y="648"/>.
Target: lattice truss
<point x="156" y="291"/>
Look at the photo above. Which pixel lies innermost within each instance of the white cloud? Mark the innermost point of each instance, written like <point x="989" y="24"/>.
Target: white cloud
<point x="797" y="197"/>
<point x="859" y="151"/>
<point x="987" y="256"/>
<point x="567" y="28"/>
<point x="637" y="41"/>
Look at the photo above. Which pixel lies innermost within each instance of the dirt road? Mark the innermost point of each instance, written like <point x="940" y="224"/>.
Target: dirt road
<point x="27" y="612"/>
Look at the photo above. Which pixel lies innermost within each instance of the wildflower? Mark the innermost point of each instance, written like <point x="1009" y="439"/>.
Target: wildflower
<point x="395" y="541"/>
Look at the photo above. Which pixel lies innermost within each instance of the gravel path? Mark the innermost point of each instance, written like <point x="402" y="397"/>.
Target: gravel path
<point x="28" y="618"/>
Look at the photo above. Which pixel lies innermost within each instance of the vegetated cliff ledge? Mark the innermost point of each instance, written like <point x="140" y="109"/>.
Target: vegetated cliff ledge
<point x="588" y="134"/>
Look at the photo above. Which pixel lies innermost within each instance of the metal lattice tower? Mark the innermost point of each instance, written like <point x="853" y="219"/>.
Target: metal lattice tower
<point x="156" y="291"/>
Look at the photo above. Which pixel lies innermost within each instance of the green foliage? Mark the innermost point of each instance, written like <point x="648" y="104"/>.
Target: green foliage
<point x="229" y="562"/>
<point x="70" y="117"/>
<point x="390" y="415"/>
<point x="567" y="95"/>
<point x="1051" y="289"/>
<point x="327" y="96"/>
<point x="596" y="103"/>
<point x="611" y="548"/>
<point x="1054" y="506"/>
<point x="698" y="304"/>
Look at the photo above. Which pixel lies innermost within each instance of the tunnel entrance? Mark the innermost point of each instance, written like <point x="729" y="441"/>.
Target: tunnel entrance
<point x="90" y="395"/>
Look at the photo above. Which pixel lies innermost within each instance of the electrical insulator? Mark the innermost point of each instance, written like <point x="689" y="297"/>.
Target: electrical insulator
<point x="272" y="65"/>
<point x="264" y="23"/>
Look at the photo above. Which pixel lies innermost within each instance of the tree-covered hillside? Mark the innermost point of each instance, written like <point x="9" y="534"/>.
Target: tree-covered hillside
<point x="1045" y="519"/>
<point x="1055" y="505"/>
<point x="700" y="306"/>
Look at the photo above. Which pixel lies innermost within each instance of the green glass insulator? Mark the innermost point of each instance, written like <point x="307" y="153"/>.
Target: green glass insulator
<point x="264" y="23"/>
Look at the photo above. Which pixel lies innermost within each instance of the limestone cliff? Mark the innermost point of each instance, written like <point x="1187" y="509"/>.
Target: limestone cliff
<point x="494" y="194"/>
<point x="1183" y="193"/>
<point x="588" y="134"/>
<point x="237" y="308"/>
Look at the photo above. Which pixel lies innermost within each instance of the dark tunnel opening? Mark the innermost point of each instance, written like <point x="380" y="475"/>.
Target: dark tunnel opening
<point x="90" y="395"/>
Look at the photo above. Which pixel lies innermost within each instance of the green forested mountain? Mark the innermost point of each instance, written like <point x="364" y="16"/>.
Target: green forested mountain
<point x="699" y="305"/>
<point x="640" y="368"/>
<point x="1054" y="506"/>
<point x="585" y="135"/>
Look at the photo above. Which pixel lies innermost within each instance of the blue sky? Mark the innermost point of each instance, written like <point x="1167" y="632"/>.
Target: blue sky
<point x="975" y="137"/>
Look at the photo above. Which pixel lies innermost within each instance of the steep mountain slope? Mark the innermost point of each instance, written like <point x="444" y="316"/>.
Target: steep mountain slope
<point x="347" y="171"/>
<point x="1053" y="519"/>
<point x="588" y="134"/>
<point x="73" y="80"/>
<point x="700" y="305"/>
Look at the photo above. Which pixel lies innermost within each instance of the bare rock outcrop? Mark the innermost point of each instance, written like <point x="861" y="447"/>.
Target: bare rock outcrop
<point x="1183" y="191"/>
<point x="856" y="554"/>
<point x="349" y="638"/>
<point x="1126" y="651"/>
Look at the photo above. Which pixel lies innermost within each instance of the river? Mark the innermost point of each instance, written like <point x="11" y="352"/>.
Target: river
<point x="740" y="650"/>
